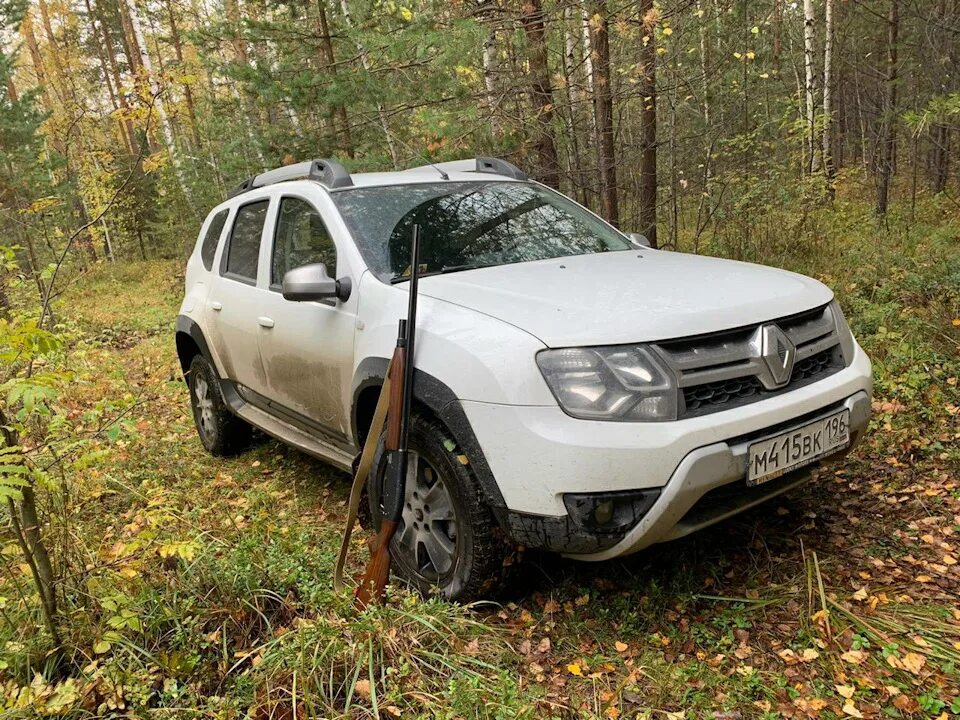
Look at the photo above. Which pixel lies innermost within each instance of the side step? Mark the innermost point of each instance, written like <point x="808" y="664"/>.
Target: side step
<point x="291" y="435"/>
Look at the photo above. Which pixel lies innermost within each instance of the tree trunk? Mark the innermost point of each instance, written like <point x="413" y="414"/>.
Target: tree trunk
<point x="777" y="34"/>
<point x="156" y="92"/>
<point x="130" y="44"/>
<point x="541" y="93"/>
<point x="243" y="98"/>
<point x="574" y="97"/>
<point x="36" y="59"/>
<point x="648" y="126"/>
<point x="381" y="113"/>
<point x="888" y="142"/>
<point x="339" y="111"/>
<point x="603" y="113"/>
<point x="941" y="157"/>
<point x="187" y="91"/>
<point x="490" y="63"/>
<point x="104" y="26"/>
<point x="828" y="123"/>
<point x="809" y="41"/>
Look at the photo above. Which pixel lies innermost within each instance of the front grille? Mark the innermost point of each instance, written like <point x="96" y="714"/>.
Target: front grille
<point x="726" y="370"/>
<point x="703" y="397"/>
<point x="726" y="394"/>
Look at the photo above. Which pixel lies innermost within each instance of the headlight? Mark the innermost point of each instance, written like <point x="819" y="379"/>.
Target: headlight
<point x="626" y="383"/>
<point x="844" y="335"/>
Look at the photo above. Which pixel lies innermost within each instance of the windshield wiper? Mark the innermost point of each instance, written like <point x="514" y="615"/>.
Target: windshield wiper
<point x="442" y="271"/>
<point x="466" y="266"/>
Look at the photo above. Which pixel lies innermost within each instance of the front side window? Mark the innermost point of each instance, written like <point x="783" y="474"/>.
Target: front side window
<point x="244" y="250"/>
<point x="466" y="225"/>
<point x="301" y="239"/>
<point x="209" y="246"/>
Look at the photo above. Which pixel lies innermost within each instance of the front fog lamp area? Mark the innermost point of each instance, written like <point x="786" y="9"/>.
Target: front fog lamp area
<point x="609" y="512"/>
<point x="626" y="383"/>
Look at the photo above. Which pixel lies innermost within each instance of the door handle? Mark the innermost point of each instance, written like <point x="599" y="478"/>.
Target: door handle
<point x="265" y="321"/>
<point x="216" y="305"/>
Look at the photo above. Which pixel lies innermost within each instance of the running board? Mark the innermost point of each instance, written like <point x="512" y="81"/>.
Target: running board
<point x="285" y="432"/>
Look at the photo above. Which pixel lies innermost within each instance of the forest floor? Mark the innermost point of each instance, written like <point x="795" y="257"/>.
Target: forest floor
<point x="208" y="581"/>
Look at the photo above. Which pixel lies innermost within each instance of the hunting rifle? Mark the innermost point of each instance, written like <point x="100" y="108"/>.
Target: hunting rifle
<point x="396" y="398"/>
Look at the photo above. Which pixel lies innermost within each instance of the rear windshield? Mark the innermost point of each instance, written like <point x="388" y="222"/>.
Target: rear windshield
<point x="469" y="224"/>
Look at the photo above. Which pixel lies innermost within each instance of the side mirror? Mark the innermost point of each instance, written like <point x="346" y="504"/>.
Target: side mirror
<point x="639" y="239"/>
<point x="311" y="282"/>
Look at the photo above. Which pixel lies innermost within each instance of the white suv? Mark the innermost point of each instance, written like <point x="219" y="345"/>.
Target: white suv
<point x="576" y="391"/>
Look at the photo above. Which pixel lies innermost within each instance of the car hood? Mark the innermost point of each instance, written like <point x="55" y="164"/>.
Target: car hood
<point x="628" y="296"/>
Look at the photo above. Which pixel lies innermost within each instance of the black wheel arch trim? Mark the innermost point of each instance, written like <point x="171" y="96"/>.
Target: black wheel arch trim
<point x="443" y="403"/>
<point x="188" y="326"/>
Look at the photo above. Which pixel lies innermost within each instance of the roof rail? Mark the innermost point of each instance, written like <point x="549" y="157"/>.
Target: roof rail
<point x="327" y="172"/>
<point x="489" y="165"/>
<point x="500" y="167"/>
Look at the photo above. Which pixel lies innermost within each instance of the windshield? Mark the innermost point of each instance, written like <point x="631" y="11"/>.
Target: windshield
<point x="465" y="225"/>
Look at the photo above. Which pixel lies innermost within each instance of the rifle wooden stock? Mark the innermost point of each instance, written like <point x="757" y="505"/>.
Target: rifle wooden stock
<point x="373" y="582"/>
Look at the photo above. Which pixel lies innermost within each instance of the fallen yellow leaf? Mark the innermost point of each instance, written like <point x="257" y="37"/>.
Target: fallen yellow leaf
<point x="914" y="662"/>
<point x="575" y="669"/>
<point x="851" y="710"/>
<point x="845" y="691"/>
<point x="854" y="657"/>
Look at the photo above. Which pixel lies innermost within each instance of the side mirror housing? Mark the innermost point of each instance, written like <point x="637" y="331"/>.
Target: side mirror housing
<point x="639" y="239"/>
<point x="311" y="282"/>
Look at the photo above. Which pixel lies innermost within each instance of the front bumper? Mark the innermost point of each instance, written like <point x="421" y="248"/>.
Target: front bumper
<point x="688" y="501"/>
<point x="538" y="454"/>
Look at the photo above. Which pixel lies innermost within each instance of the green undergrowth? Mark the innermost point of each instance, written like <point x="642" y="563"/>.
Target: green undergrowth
<point x="201" y="587"/>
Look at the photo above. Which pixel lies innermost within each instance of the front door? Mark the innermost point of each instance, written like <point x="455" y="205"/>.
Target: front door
<point x="307" y="349"/>
<point x="234" y="304"/>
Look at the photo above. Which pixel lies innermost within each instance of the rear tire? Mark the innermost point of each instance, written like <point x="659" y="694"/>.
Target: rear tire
<point x="448" y="541"/>
<point x="221" y="432"/>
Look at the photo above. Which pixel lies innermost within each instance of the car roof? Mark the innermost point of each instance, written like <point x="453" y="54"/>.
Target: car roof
<point x="425" y="174"/>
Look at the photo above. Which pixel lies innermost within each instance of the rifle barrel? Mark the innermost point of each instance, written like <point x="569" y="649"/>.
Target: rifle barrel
<point x="411" y="330"/>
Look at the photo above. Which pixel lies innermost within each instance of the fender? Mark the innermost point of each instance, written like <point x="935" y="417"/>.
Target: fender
<point x="440" y="399"/>
<point x="189" y="327"/>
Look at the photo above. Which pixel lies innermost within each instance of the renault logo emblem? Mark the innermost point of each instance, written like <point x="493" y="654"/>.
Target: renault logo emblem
<point x="777" y="354"/>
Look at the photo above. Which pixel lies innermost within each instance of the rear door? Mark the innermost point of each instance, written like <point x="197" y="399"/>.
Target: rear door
<point x="307" y="347"/>
<point x="235" y="301"/>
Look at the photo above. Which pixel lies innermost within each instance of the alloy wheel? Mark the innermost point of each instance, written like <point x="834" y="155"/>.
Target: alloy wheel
<point x="428" y="531"/>
<point x="204" y="405"/>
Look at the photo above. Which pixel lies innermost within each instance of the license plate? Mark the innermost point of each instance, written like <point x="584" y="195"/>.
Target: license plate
<point x="771" y="458"/>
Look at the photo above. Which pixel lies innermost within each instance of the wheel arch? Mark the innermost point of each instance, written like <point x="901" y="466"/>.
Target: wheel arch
<point x="434" y="397"/>
<point x="190" y="342"/>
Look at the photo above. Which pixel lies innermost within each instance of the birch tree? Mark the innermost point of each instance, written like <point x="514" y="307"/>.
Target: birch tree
<point x="156" y="92"/>
<point x="809" y="42"/>
<point x="828" y="123"/>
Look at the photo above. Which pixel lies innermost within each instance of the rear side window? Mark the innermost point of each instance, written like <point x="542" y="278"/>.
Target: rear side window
<point x="244" y="249"/>
<point x="209" y="247"/>
<point x="301" y="239"/>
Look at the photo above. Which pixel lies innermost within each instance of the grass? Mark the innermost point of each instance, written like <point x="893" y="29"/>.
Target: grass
<point x="200" y="587"/>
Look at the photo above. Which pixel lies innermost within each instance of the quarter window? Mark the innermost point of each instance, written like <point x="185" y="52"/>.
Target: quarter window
<point x="209" y="246"/>
<point x="301" y="239"/>
<point x="244" y="249"/>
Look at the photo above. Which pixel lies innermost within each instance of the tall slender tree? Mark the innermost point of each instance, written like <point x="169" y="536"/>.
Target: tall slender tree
<point x="647" y="199"/>
<point x="888" y="132"/>
<point x="603" y="112"/>
<point x="541" y="92"/>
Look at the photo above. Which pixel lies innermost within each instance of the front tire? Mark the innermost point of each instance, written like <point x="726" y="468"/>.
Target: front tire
<point x="447" y="540"/>
<point x="221" y="432"/>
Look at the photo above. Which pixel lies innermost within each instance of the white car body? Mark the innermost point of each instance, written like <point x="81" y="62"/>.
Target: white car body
<point x="479" y="332"/>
